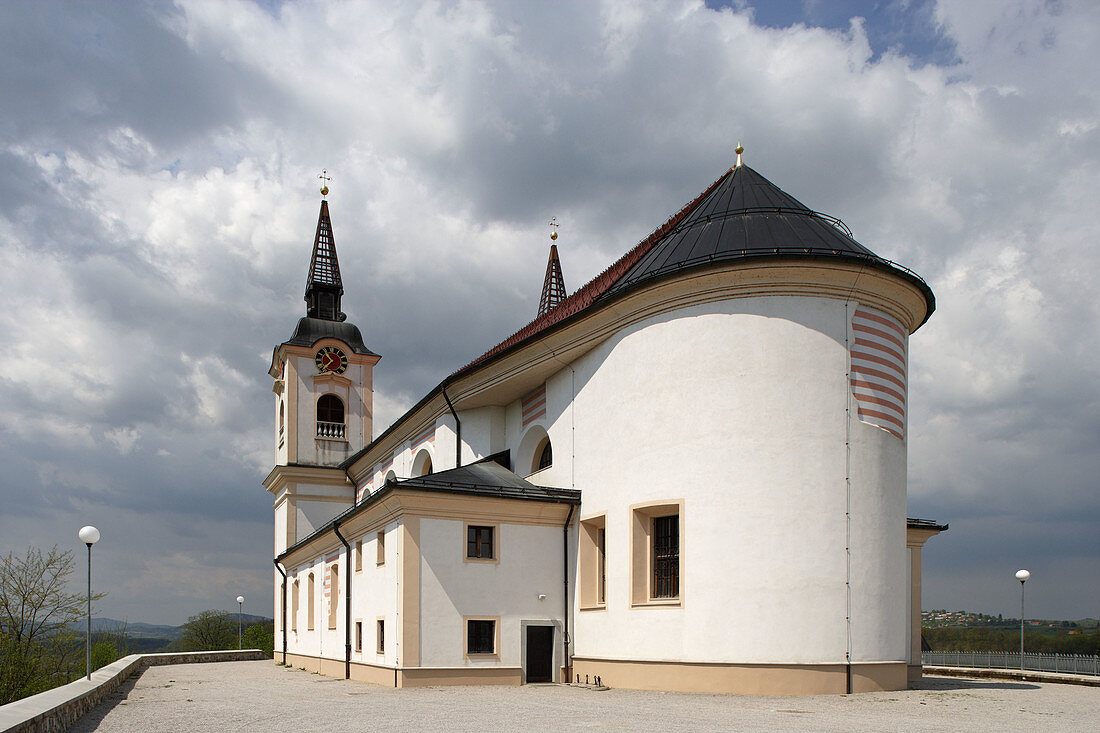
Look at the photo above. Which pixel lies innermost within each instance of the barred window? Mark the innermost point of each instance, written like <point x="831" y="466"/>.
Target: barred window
<point x="666" y="556"/>
<point x="480" y="636"/>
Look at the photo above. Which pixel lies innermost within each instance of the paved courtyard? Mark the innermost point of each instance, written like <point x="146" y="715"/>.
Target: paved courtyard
<point x="261" y="696"/>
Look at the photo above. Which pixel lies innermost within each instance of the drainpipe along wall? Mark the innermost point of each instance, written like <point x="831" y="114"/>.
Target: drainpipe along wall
<point x="566" y="662"/>
<point x="347" y="601"/>
<point x="458" y="429"/>
<point x="283" y="573"/>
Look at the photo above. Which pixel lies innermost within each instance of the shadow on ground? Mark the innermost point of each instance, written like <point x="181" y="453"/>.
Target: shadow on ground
<point x="933" y="684"/>
<point x="90" y="720"/>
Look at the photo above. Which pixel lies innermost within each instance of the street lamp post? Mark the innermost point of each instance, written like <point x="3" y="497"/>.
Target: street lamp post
<point x="89" y="535"/>
<point x="1022" y="576"/>
<point x="240" y="609"/>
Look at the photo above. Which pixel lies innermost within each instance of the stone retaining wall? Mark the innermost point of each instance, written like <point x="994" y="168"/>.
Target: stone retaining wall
<point x="55" y="710"/>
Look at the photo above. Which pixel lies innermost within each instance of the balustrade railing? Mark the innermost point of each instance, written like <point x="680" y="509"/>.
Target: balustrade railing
<point x="1034" y="662"/>
<point x="331" y="430"/>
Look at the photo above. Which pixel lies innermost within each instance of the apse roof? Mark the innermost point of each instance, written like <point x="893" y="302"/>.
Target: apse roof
<point x="747" y="216"/>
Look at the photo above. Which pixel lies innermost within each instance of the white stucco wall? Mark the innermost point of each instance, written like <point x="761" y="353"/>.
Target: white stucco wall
<point x="737" y="407"/>
<point x="530" y="563"/>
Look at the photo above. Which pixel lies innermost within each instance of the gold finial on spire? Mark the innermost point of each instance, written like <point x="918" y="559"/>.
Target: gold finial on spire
<point x="553" y="228"/>
<point x="324" y="187"/>
<point x="738" y="150"/>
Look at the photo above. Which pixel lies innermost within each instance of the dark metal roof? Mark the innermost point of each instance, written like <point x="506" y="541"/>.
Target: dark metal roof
<point x="912" y="523"/>
<point x="489" y="478"/>
<point x="483" y="478"/>
<point x="748" y="216"/>
<point x="324" y="266"/>
<point x="312" y="330"/>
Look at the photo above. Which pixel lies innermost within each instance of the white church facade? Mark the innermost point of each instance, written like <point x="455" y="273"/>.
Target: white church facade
<point x="689" y="474"/>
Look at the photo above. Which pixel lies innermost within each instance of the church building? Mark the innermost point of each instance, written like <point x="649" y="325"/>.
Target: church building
<point x="689" y="474"/>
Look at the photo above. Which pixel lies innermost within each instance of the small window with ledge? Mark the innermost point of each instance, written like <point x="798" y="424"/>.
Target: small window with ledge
<point x="481" y="636"/>
<point x="330" y="418"/>
<point x="479" y="542"/>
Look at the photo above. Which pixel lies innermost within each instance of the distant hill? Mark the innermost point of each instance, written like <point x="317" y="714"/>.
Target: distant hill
<point x="140" y="630"/>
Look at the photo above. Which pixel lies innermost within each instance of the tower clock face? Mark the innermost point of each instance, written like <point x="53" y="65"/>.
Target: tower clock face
<point x="331" y="359"/>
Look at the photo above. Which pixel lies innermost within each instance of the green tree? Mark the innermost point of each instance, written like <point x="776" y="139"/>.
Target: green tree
<point x="208" y="631"/>
<point x="260" y="636"/>
<point x="109" y="645"/>
<point x="39" y="645"/>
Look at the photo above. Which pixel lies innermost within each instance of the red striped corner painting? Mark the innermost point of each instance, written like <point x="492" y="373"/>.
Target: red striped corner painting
<point x="879" y="347"/>
<point x="534" y="406"/>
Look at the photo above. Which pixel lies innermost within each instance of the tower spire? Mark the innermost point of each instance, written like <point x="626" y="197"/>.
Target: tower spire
<point x="323" y="284"/>
<point x="553" y="285"/>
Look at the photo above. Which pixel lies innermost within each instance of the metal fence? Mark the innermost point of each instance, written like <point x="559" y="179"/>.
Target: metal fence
<point x="1068" y="663"/>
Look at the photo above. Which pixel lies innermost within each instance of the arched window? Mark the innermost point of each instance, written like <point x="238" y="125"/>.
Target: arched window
<point x="330" y="409"/>
<point x="282" y="417"/>
<point x="310" y="601"/>
<point x="330" y="417"/>
<point x="333" y="594"/>
<point x="422" y="464"/>
<point x="546" y="456"/>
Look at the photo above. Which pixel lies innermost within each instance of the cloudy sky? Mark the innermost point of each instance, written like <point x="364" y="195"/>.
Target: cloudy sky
<point x="158" y="196"/>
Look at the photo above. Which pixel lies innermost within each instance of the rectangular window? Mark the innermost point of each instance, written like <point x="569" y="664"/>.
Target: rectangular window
<point x="656" y="553"/>
<point x="358" y="555"/>
<point x="381" y="636"/>
<point x="481" y="636"/>
<point x="591" y="558"/>
<point x="666" y="556"/>
<point x="479" y="542"/>
<point x="358" y="636"/>
<point x="381" y="543"/>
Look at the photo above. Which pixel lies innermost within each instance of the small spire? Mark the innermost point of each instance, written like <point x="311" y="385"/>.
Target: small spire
<point x="553" y="285"/>
<point x="323" y="284"/>
<point x="324" y="186"/>
<point x="738" y="150"/>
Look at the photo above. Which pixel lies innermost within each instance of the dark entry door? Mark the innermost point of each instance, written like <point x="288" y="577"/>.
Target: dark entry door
<point x="540" y="653"/>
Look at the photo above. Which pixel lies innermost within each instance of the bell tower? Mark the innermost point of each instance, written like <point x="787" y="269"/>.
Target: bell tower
<point x="323" y="373"/>
<point x="324" y="400"/>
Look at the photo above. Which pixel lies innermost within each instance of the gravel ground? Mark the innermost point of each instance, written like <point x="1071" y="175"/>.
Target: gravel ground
<point x="261" y="696"/>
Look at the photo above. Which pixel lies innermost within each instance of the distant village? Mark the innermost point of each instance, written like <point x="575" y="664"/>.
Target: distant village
<point x="938" y="618"/>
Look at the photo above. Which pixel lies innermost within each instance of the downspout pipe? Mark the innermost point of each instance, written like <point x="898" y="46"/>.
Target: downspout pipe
<point x="458" y="428"/>
<point x="283" y="573"/>
<point x="347" y="601"/>
<point x="565" y="596"/>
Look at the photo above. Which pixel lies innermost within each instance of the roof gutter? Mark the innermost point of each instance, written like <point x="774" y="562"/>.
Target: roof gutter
<point x="347" y="600"/>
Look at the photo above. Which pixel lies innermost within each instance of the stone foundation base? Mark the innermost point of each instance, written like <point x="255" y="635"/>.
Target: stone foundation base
<point x="407" y="676"/>
<point x="741" y="679"/>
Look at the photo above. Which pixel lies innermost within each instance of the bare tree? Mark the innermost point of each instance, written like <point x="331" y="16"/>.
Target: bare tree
<point x="38" y="645"/>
